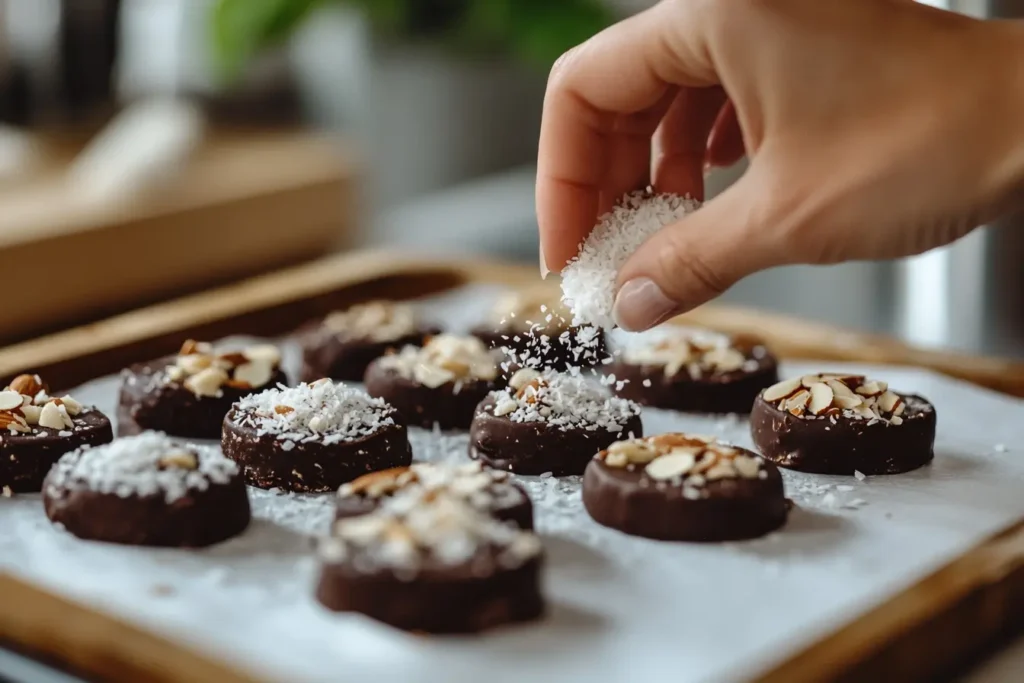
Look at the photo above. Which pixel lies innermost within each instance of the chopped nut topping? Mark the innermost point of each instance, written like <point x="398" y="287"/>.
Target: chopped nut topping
<point x="27" y="385"/>
<point x="523" y="377"/>
<point x="379" y="321"/>
<point x="283" y="410"/>
<point x="180" y="459"/>
<point x="698" y="352"/>
<point x="204" y="374"/>
<point x="9" y="400"/>
<point x="852" y="396"/>
<point x="691" y="460"/>
<point x="444" y="359"/>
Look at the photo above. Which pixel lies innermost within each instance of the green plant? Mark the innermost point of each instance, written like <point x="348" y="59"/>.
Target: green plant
<point x="537" y="31"/>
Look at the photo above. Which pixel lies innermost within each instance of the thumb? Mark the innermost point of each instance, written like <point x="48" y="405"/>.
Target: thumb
<point x="696" y="259"/>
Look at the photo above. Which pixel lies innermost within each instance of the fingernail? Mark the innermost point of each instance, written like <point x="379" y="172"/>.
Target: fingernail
<point x="544" y="272"/>
<point x="641" y="304"/>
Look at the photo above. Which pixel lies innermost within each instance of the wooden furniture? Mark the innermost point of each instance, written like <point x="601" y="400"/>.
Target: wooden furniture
<point x="938" y="623"/>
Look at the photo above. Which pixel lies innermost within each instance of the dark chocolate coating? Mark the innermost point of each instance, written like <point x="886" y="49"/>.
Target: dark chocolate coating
<point x="330" y="355"/>
<point x="443" y="600"/>
<point x="731" y="392"/>
<point x="537" y="447"/>
<point x="26" y="459"/>
<point x="518" y="511"/>
<point x="735" y="509"/>
<point x="423" y="406"/>
<point x="313" y="467"/>
<point x="819" y="446"/>
<point x="200" y="518"/>
<point x="557" y="354"/>
<point x="173" y="409"/>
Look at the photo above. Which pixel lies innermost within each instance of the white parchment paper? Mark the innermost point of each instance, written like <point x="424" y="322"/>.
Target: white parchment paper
<point x="621" y="608"/>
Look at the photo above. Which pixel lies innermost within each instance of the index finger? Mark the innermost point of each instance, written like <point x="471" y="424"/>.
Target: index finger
<point x="626" y="69"/>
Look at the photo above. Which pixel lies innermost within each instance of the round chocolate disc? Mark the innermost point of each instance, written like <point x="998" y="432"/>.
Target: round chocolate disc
<point x="342" y="345"/>
<point x="549" y="423"/>
<point x="694" y="371"/>
<point x="843" y="424"/>
<point x="675" y="487"/>
<point x="148" y="490"/>
<point x="490" y="491"/>
<point x="189" y="394"/>
<point x="438" y="566"/>
<point x="314" y="437"/>
<point x="36" y="430"/>
<point x="438" y="384"/>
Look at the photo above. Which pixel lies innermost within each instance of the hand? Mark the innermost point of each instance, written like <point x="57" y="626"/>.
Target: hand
<point x="875" y="129"/>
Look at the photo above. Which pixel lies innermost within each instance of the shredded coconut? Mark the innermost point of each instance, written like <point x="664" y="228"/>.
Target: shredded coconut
<point x="406" y="534"/>
<point x="565" y="401"/>
<point x="322" y="410"/>
<point x="588" y="281"/>
<point x="138" y="466"/>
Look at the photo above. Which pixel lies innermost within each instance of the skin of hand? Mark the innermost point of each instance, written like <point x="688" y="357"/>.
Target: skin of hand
<point x="875" y="129"/>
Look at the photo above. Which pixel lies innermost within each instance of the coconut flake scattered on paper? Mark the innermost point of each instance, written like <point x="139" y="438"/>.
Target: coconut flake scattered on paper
<point x="588" y="281"/>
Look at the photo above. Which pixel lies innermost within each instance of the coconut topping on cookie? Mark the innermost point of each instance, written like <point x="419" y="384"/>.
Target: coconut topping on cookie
<point x="832" y="395"/>
<point x="320" y="411"/>
<point x="205" y="373"/>
<point x="376" y="321"/>
<point x="444" y="359"/>
<point x="25" y="406"/>
<point x="147" y="464"/>
<point x="408" y="533"/>
<point x="566" y="401"/>
<point x="481" y="487"/>
<point x="686" y="460"/>
<point x="698" y="352"/>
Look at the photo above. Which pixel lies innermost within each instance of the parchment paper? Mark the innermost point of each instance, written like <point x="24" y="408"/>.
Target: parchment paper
<point x="621" y="608"/>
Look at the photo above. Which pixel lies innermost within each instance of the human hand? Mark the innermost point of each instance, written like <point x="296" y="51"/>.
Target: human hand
<point x="875" y="129"/>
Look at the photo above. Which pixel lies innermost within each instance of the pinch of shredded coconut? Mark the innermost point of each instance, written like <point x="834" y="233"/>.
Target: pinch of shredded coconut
<point x="565" y="401"/>
<point x="324" y="411"/>
<point x="588" y="281"/>
<point x="130" y="466"/>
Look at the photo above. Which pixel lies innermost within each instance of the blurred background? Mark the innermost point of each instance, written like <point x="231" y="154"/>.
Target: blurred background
<point x="155" y="147"/>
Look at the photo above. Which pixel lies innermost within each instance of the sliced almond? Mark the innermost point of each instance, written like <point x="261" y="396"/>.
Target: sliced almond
<point x="283" y="410"/>
<point x="797" y="404"/>
<point x="896" y="420"/>
<point x="808" y="381"/>
<point x="194" y="363"/>
<point x="723" y="469"/>
<point x="9" y="400"/>
<point x="379" y="481"/>
<point x="183" y="460"/>
<point x="724" y="359"/>
<point x="781" y="390"/>
<point x="899" y="409"/>
<point x="747" y="466"/>
<point x="616" y="460"/>
<point x="254" y="373"/>
<point x="523" y="377"/>
<point x="31" y="414"/>
<point x="207" y="382"/>
<point x="505" y="407"/>
<point x="847" y="402"/>
<point x="888" y="401"/>
<point x="431" y="376"/>
<point x="668" y="466"/>
<point x="73" y="407"/>
<point x="839" y="389"/>
<point x="821" y="398"/>
<point x="13" y="422"/>
<point x="50" y="417"/>
<point x="872" y="388"/>
<point x="677" y="440"/>
<point x="176" y="373"/>
<point x="188" y="347"/>
<point x="27" y="385"/>
<point x="266" y="353"/>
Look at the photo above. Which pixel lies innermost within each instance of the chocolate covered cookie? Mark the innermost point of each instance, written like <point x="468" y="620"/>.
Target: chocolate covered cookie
<point x="549" y="422"/>
<point x="37" y="429"/>
<point x="148" y="489"/>
<point x="692" y="370"/>
<point x="490" y="491"/>
<point x="440" y="566"/>
<point x="677" y="487"/>
<point x="440" y="383"/>
<point x="189" y="394"/>
<point x="842" y="424"/>
<point x="314" y="437"/>
<point x="344" y="343"/>
<point x="534" y="329"/>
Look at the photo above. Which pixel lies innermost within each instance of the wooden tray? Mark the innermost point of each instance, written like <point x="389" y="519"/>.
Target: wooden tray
<point x="939" y="623"/>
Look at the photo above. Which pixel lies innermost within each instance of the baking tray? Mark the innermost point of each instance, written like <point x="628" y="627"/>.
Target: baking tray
<point x="902" y="627"/>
